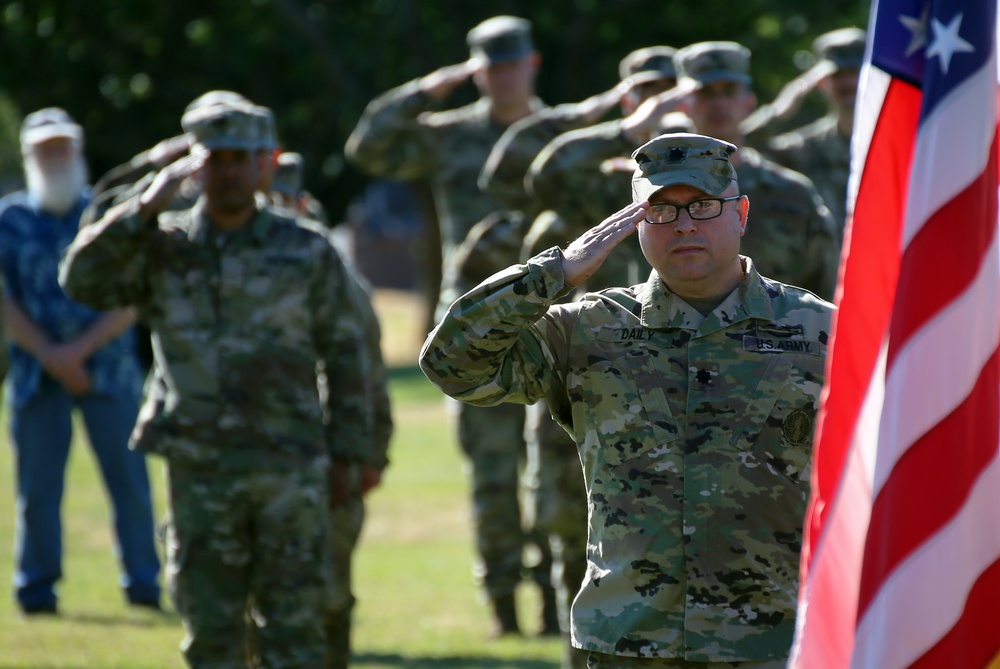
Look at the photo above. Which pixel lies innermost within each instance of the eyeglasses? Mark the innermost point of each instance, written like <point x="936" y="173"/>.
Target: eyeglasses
<point x="699" y="210"/>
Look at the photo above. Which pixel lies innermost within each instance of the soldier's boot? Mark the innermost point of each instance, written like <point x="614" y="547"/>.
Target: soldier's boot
<point x="504" y="616"/>
<point x="550" y="612"/>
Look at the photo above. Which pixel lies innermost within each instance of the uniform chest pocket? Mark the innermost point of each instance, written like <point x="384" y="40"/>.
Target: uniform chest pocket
<point x="776" y="428"/>
<point x="272" y="287"/>
<point x="625" y="401"/>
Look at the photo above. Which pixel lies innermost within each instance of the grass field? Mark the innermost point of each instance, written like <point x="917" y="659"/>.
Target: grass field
<point x="418" y="606"/>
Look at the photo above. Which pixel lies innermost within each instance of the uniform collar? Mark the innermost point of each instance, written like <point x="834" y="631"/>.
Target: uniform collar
<point x="200" y="225"/>
<point x="662" y="308"/>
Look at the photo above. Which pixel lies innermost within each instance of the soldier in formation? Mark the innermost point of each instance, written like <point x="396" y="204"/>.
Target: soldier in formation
<point x="691" y="399"/>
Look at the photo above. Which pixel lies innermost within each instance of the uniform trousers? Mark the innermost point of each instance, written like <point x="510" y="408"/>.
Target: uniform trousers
<point x="557" y="501"/>
<point x="257" y="537"/>
<point x="493" y="440"/>
<point x="347" y="520"/>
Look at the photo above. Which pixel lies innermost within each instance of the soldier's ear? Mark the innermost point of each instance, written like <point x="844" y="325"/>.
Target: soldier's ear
<point x="743" y="207"/>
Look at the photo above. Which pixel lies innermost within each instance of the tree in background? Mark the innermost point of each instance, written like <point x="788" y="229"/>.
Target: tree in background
<point x="127" y="68"/>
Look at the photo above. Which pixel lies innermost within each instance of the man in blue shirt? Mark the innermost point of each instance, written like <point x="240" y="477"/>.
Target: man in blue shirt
<point x="65" y="355"/>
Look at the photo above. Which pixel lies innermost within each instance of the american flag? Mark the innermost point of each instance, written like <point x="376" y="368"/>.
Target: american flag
<point x="901" y="558"/>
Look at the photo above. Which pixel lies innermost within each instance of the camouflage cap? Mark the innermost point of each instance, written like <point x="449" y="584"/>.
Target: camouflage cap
<point x="708" y="62"/>
<point x="288" y="174"/>
<point x="268" y="134"/>
<point x="675" y="122"/>
<point x="47" y="123"/>
<point x="842" y="49"/>
<point x="215" y="97"/>
<point x="648" y="64"/>
<point x="682" y="158"/>
<point x="223" y="126"/>
<point x="501" y="38"/>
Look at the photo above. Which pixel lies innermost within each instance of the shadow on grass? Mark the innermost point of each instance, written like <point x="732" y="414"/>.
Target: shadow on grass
<point x="164" y="619"/>
<point x="449" y="661"/>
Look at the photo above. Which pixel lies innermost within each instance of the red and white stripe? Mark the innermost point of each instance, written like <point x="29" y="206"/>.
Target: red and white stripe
<point x="901" y="561"/>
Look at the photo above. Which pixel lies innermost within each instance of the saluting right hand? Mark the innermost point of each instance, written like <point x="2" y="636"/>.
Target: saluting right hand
<point x="588" y="252"/>
<point x="641" y="125"/>
<point x="166" y="182"/>
<point x="441" y="82"/>
<point x="168" y="150"/>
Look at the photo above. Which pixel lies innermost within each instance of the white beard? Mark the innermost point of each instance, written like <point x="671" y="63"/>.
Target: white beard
<point x="58" y="188"/>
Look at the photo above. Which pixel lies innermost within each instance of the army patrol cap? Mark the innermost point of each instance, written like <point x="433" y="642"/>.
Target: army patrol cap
<point x="223" y="126"/>
<point x="216" y="97"/>
<point x="648" y="64"/>
<point x="288" y="174"/>
<point x="500" y="39"/>
<point x="45" y="124"/>
<point x="842" y="49"/>
<point x="708" y="62"/>
<point x="682" y="158"/>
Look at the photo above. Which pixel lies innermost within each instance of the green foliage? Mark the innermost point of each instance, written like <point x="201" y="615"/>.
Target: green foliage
<point x="127" y="68"/>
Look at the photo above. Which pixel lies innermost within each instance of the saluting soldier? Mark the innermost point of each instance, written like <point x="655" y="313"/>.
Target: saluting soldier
<point x="399" y="137"/>
<point x="254" y="324"/>
<point x="822" y="149"/>
<point x="691" y="398"/>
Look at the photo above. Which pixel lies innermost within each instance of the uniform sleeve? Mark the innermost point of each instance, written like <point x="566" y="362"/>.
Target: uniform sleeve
<point x="339" y="336"/>
<point x="500" y="342"/>
<point x="381" y="408"/>
<point x="106" y="265"/>
<point x="506" y="169"/>
<point x="571" y="163"/>
<point x="491" y="245"/>
<point x="390" y="140"/>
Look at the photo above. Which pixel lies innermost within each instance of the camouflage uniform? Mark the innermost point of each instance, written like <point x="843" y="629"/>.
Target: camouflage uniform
<point x="568" y="175"/>
<point x="694" y="431"/>
<point x="287" y="191"/>
<point x="348" y="517"/>
<point x="819" y="150"/>
<point x="792" y="235"/>
<point x="257" y="336"/>
<point x="399" y="138"/>
<point x="694" y="464"/>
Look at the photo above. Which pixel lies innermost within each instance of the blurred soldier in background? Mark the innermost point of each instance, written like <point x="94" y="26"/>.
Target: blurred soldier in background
<point x="585" y="162"/>
<point x="257" y="334"/>
<point x="792" y="236"/>
<point x="822" y="149"/>
<point x="397" y="137"/>
<point x="287" y="190"/>
<point x="66" y="355"/>
<point x="121" y="182"/>
<point x="348" y="516"/>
